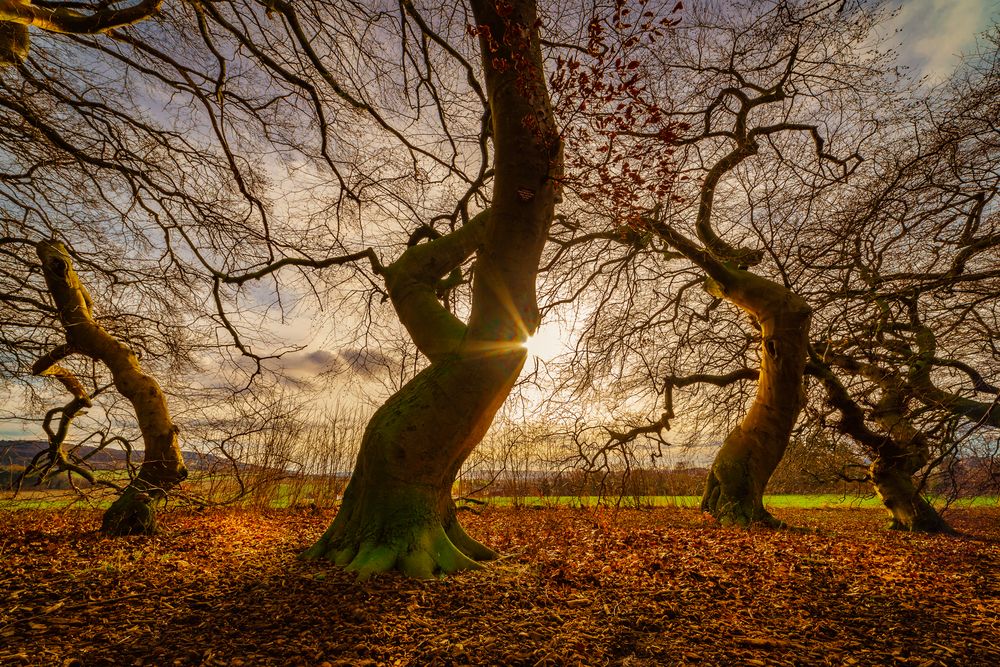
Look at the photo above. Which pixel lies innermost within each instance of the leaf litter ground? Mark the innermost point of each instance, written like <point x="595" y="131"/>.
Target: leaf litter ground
<point x="633" y="587"/>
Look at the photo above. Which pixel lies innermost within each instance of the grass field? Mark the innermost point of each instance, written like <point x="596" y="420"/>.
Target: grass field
<point x="791" y="501"/>
<point x="58" y="500"/>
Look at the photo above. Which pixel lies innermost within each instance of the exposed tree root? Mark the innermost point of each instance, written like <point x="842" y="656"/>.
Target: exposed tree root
<point x="424" y="553"/>
<point x="412" y="530"/>
<point x="733" y="513"/>
<point x="467" y="545"/>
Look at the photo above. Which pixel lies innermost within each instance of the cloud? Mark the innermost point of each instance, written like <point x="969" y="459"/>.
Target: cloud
<point x="935" y="33"/>
<point x="309" y="363"/>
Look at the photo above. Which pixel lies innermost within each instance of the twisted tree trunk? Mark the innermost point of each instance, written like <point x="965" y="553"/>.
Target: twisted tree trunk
<point x="397" y="511"/>
<point x="734" y="491"/>
<point x="162" y="466"/>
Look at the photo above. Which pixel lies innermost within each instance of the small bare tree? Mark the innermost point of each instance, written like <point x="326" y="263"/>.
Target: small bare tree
<point x="162" y="466"/>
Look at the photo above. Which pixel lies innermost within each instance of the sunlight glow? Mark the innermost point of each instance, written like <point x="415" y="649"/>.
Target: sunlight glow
<point x="546" y="344"/>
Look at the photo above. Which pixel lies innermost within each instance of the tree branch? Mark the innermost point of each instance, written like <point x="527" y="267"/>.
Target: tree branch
<point x="413" y="280"/>
<point x="69" y="21"/>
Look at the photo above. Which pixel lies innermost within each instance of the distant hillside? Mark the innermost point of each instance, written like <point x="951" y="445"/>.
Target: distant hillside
<point x="20" y="453"/>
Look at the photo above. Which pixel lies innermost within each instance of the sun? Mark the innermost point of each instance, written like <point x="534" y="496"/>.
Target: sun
<point x="546" y="344"/>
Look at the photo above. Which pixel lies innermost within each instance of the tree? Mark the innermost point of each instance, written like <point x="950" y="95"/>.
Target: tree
<point x="83" y="189"/>
<point x="397" y="510"/>
<point x="734" y="492"/>
<point x="274" y="160"/>
<point x="41" y="188"/>
<point x="906" y="347"/>
<point x="162" y="465"/>
<point x="743" y="113"/>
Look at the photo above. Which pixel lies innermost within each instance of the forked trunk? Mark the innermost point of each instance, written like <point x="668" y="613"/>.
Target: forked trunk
<point x="734" y="491"/>
<point x="397" y="511"/>
<point x="162" y="466"/>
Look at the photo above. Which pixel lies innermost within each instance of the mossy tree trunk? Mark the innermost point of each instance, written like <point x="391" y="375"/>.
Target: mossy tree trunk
<point x="397" y="511"/>
<point x="162" y="466"/>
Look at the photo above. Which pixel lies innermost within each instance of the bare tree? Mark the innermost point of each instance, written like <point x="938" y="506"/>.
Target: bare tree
<point x="398" y="511"/>
<point x="738" y="101"/>
<point x="162" y="465"/>
<point x="290" y="157"/>
<point x="907" y="286"/>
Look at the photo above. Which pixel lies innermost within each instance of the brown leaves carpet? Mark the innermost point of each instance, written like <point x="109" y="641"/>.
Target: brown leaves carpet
<point x="656" y="587"/>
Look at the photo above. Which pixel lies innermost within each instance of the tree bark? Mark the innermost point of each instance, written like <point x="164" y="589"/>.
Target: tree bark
<point x="908" y="508"/>
<point x="901" y="455"/>
<point x="17" y="15"/>
<point x="734" y="491"/>
<point x="162" y="466"/>
<point x="397" y="511"/>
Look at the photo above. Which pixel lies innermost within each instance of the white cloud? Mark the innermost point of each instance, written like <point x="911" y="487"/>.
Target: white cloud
<point x="934" y="34"/>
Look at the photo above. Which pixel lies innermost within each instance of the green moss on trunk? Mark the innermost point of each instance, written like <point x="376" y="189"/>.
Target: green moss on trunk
<point x="397" y="512"/>
<point x="402" y="527"/>
<point x="134" y="511"/>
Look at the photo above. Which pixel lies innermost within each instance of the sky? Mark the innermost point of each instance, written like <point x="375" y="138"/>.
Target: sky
<point x="934" y="33"/>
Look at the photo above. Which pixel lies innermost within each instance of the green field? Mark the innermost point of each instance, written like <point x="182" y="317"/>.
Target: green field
<point x="799" y="501"/>
<point x="50" y="500"/>
<point x="58" y="500"/>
